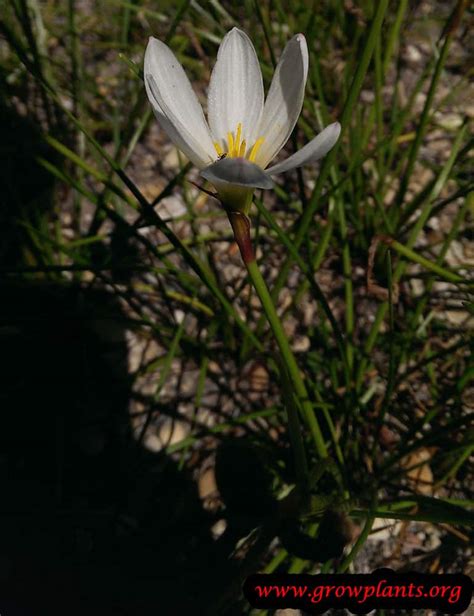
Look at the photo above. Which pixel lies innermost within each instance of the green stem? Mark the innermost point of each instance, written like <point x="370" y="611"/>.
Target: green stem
<point x="369" y="522"/>
<point x="429" y="265"/>
<point x="287" y="357"/>
<point x="294" y="431"/>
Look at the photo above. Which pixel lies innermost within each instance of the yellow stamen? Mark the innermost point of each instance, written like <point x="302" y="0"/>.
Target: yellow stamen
<point x="237" y="147"/>
<point x="237" y="139"/>
<point x="230" y="140"/>
<point x="256" y="147"/>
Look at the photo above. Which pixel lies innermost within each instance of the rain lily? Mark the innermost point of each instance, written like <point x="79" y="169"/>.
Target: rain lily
<point x="244" y="134"/>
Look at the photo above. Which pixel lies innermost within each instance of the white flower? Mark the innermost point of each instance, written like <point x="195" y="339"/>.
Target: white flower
<point x="243" y="135"/>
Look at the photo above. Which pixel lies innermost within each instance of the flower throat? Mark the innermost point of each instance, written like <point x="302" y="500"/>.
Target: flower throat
<point x="237" y="147"/>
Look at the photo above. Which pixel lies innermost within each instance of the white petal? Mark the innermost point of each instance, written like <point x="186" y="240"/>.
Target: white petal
<point x="284" y="100"/>
<point x="175" y="104"/>
<point x="311" y="152"/>
<point x="236" y="88"/>
<point x="237" y="172"/>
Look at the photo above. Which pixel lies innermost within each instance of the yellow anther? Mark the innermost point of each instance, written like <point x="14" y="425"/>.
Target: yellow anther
<point x="243" y="147"/>
<point x="230" y="140"/>
<point x="256" y="147"/>
<point x="219" y="150"/>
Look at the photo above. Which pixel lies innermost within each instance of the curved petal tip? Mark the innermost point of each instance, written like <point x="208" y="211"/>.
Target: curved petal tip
<point x="311" y="152"/>
<point x="336" y="129"/>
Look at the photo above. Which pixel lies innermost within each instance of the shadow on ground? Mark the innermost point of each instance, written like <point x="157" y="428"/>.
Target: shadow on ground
<point x="91" y="523"/>
<point x="89" y="518"/>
